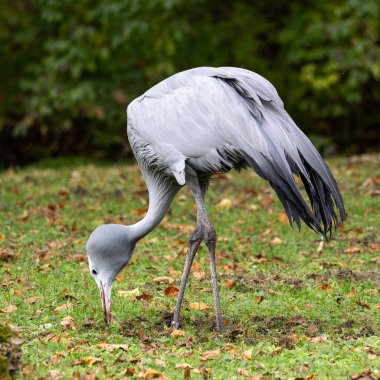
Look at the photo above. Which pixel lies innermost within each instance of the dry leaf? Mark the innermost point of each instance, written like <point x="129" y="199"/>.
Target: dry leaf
<point x="171" y="290"/>
<point x="32" y="300"/>
<point x="318" y="339"/>
<point x="229" y="283"/>
<point x="283" y="218"/>
<point x="208" y="355"/>
<point x="112" y="347"/>
<point x="276" y="241"/>
<point x="232" y="350"/>
<point x="376" y="306"/>
<point x="247" y="354"/>
<point x="259" y="299"/>
<point x="352" y="293"/>
<point x="183" y="365"/>
<point x="151" y="374"/>
<point x="352" y="250"/>
<point x="242" y="372"/>
<point x="9" y="309"/>
<point x="198" y="306"/>
<point x="160" y="363"/>
<point x="68" y="322"/>
<point x="326" y="287"/>
<point x="64" y="307"/>
<point x="167" y="279"/>
<point x="90" y="360"/>
<point x="130" y="294"/>
<point x="176" y="333"/>
<point x="224" y="204"/>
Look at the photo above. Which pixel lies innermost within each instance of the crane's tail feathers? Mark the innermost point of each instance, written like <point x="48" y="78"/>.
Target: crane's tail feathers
<point x="277" y="149"/>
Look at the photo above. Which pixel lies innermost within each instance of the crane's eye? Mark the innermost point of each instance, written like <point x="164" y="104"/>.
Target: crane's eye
<point x="94" y="272"/>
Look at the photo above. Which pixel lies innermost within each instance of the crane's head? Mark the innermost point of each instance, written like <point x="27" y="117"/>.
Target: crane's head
<point x="109" y="249"/>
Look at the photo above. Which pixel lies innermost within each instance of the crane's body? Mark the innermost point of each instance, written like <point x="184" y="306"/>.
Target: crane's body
<point x="204" y="121"/>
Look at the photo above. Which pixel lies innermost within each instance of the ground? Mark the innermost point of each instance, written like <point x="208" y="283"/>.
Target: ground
<point x="293" y="306"/>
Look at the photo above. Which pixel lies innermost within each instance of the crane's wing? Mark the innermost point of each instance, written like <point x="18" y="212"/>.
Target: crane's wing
<point x="216" y="117"/>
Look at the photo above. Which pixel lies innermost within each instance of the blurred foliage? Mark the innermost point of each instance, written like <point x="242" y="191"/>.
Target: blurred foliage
<point x="69" y="68"/>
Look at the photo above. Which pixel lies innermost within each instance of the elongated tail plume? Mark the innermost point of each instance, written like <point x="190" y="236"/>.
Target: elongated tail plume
<point x="281" y="149"/>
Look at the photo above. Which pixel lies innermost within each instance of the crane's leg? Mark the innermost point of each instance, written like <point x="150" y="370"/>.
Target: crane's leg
<point x="209" y="237"/>
<point x="194" y="242"/>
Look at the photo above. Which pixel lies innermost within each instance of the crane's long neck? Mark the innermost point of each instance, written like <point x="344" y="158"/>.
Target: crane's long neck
<point x="162" y="190"/>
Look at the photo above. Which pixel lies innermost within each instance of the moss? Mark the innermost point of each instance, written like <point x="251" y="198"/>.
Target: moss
<point x="4" y="370"/>
<point x="5" y="332"/>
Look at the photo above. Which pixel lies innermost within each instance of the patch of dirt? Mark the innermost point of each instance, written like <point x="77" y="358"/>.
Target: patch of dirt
<point x="132" y="328"/>
<point x="353" y="329"/>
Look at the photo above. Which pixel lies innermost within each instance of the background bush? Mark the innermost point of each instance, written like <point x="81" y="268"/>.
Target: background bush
<point x="69" y="68"/>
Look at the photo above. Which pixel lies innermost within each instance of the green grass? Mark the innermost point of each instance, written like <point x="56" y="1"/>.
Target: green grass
<point x="302" y="309"/>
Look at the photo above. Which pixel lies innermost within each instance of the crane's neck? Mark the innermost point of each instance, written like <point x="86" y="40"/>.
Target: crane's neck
<point x="162" y="190"/>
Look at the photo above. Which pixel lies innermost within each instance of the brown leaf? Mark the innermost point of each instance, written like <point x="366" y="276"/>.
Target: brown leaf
<point x="198" y="306"/>
<point x="6" y="256"/>
<point x="232" y="350"/>
<point x="352" y="250"/>
<point x="183" y="365"/>
<point x="9" y="309"/>
<point x="112" y="347"/>
<point x="326" y="287"/>
<point x="209" y="355"/>
<point x="89" y="360"/>
<point x="229" y="283"/>
<point x="171" y="290"/>
<point x="318" y="339"/>
<point x="259" y="299"/>
<point x="145" y="296"/>
<point x="352" y="293"/>
<point x="68" y="322"/>
<point x="277" y="241"/>
<point x="376" y="306"/>
<point x="247" y="354"/>
<point x="176" y="333"/>
<point x="167" y="279"/>
<point x="283" y="218"/>
<point x="160" y="363"/>
<point x="32" y="300"/>
<point x="363" y="305"/>
<point x="151" y="374"/>
<point x="63" y="307"/>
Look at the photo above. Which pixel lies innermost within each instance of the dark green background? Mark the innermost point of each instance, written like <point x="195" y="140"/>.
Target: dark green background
<point x="69" y="68"/>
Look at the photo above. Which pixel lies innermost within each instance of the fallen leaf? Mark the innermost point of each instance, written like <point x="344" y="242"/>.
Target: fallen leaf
<point x="209" y="355"/>
<point x="176" y="333"/>
<point x="259" y="299"/>
<point x="68" y="322"/>
<point x="232" y="350"/>
<point x="151" y="374"/>
<point x="183" y="365"/>
<point x="242" y="372"/>
<point x="9" y="309"/>
<point x="224" y="204"/>
<point x="376" y="306"/>
<point x="145" y="296"/>
<point x="229" y="283"/>
<point x="352" y="250"/>
<point x="283" y="218"/>
<point x="352" y="293"/>
<point x="130" y="294"/>
<point x="318" y="339"/>
<point x="160" y="363"/>
<point x="247" y="354"/>
<point x="112" y="347"/>
<point x="89" y="360"/>
<point x="198" y="306"/>
<point x="364" y="305"/>
<point x="277" y="241"/>
<point x="64" y="307"/>
<point x="171" y="290"/>
<point x="32" y="300"/>
<point x="167" y="279"/>
<point x="326" y="287"/>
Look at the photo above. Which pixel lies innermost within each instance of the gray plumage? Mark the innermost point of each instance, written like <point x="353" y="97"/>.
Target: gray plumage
<point x="208" y="120"/>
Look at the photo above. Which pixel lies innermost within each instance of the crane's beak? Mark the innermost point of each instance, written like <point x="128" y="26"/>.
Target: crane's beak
<point x="105" y="296"/>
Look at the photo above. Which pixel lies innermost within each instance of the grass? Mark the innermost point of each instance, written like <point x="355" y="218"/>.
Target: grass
<point x="293" y="308"/>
